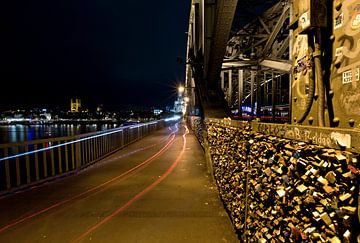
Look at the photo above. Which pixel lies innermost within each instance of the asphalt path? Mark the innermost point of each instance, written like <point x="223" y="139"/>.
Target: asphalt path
<point x="155" y="190"/>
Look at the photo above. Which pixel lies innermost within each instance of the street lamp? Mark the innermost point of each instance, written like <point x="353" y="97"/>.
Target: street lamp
<point x="181" y="89"/>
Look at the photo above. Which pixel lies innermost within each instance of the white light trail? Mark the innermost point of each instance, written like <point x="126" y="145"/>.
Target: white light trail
<point x="72" y="142"/>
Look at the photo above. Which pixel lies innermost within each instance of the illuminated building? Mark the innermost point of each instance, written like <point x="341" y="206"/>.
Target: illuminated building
<point x="179" y="105"/>
<point x="99" y="108"/>
<point x="157" y="111"/>
<point x="75" y="105"/>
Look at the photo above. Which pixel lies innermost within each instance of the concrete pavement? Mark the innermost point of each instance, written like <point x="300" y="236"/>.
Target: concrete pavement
<point x="161" y="194"/>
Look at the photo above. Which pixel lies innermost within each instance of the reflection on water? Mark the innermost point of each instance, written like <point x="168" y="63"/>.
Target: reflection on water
<point x="20" y="133"/>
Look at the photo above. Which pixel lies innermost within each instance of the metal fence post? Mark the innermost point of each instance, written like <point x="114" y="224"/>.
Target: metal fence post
<point x="52" y="162"/>
<point x="44" y="162"/>
<point x="17" y="166"/>
<point x="36" y="163"/>
<point x="66" y="157"/>
<point x="7" y="169"/>
<point x="78" y="155"/>
<point x="59" y="159"/>
<point x="27" y="164"/>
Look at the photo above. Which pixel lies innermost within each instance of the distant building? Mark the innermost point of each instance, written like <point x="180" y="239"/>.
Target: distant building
<point x="179" y="104"/>
<point x="157" y="112"/>
<point x="75" y="105"/>
<point x="44" y="115"/>
<point x="100" y="108"/>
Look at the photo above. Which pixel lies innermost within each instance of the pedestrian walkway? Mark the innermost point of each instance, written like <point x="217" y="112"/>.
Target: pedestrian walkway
<point x="155" y="190"/>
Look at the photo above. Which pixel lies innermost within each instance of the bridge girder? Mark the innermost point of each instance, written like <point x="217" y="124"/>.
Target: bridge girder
<point x="260" y="45"/>
<point x="209" y="30"/>
<point x="261" y="49"/>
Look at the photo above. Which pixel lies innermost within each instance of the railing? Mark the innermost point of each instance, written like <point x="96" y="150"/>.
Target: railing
<point x="29" y="162"/>
<point x="330" y="137"/>
<point x="259" y="172"/>
<point x="197" y="125"/>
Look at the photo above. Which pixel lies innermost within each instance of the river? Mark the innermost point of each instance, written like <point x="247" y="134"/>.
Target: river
<point x="20" y="133"/>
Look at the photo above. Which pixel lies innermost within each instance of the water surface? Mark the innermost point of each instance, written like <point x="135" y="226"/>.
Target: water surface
<point x="20" y="133"/>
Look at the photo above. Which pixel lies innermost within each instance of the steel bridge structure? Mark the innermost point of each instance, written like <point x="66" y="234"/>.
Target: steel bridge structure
<point x="291" y="67"/>
<point x="247" y="58"/>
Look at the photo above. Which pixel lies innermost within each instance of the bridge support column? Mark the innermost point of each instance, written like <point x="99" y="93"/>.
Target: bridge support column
<point x="222" y="80"/>
<point x="265" y="101"/>
<point x="259" y="97"/>
<point x="273" y="104"/>
<point x="229" y="93"/>
<point x="252" y="89"/>
<point x="241" y="89"/>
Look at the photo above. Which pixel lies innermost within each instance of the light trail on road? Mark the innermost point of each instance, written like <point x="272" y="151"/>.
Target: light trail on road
<point x="98" y="188"/>
<point x="137" y="196"/>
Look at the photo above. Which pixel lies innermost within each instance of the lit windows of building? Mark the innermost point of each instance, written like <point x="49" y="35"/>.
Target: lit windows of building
<point x="75" y="105"/>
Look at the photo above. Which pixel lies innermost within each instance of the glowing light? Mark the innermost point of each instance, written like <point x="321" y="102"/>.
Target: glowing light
<point x="181" y="89"/>
<point x="174" y="118"/>
<point x="75" y="141"/>
<point x="119" y="210"/>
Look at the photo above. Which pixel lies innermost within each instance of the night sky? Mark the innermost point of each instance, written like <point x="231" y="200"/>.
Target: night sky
<point x="110" y="52"/>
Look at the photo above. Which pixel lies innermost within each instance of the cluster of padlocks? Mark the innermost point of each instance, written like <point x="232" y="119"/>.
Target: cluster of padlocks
<point x="196" y="124"/>
<point x="277" y="190"/>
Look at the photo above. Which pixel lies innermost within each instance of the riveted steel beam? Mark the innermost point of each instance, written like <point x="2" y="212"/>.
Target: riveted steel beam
<point x="276" y="29"/>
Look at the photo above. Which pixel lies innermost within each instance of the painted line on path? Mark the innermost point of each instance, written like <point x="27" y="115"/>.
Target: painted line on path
<point x="136" y="197"/>
<point x="92" y="190"/>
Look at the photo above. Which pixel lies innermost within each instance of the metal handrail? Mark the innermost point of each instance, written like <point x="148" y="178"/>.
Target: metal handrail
<point x="53" y="139"/>
<point x="38" y="160"/>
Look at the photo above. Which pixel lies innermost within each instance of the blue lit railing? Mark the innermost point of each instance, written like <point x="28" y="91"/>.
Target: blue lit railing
<point x="39" y="160"/>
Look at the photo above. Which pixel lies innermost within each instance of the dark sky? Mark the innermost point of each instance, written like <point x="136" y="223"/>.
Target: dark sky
<point x="113" y="52"/>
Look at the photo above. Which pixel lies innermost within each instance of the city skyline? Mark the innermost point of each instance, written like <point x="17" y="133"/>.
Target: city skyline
<point x="66" y="107"/>
<point x="110" y="53"/>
